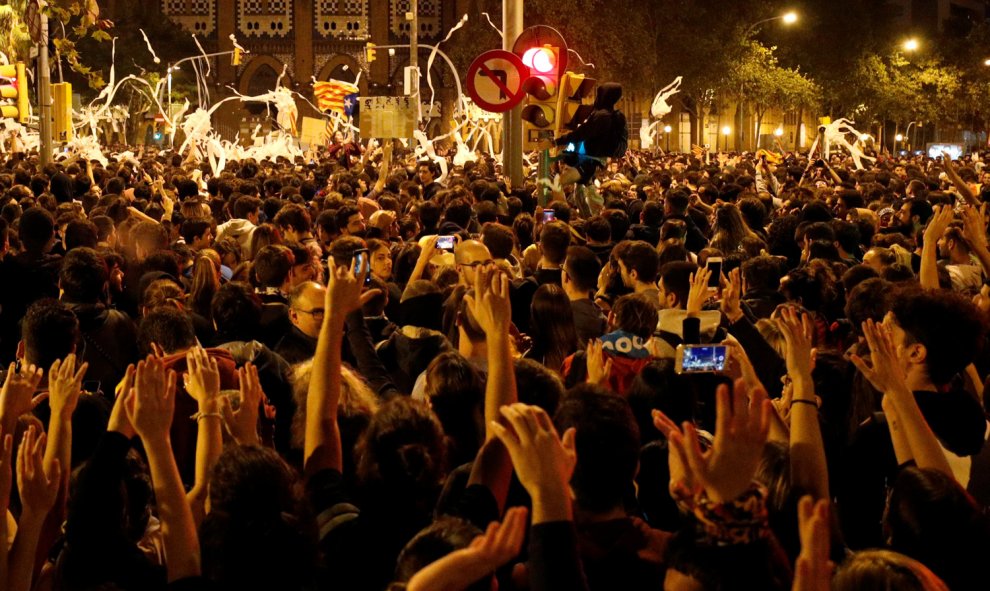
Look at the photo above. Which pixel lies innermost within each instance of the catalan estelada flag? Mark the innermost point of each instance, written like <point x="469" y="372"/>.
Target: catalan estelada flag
<point x="335" y="95"/>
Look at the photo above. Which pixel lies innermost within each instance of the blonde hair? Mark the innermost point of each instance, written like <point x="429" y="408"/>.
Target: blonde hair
<point x="356" y="398"/>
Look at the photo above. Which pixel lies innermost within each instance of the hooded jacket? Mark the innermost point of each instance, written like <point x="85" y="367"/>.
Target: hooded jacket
<point x="241" y="231"/>
<point x="604" y="132"/>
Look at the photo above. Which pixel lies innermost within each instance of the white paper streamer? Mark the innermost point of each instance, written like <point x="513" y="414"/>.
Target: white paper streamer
<point x="150" y="48"/>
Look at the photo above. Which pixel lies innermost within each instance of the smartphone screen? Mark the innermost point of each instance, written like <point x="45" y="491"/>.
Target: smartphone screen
<point x="714" y="265"/>
<point x="549" y="215"/>
<point x="445" y="242"/>
<point x="701" y="358"/>
<point x="362" y="262"/>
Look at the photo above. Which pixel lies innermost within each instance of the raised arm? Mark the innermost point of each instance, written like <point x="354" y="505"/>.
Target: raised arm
<point x="64" y="388"/>
<point x="957" y="181"/>
<point x="808" y="466"/>
<point x="38" y="489"/>
<point x="150" y="408"/>
<point x="322" y="445"/>
<point x="886" y="376"/>
<point x="975" y="231"/>
<point x="6" y="478"/>
<point x="929" y="251"/>
<point x="202" y="381"/>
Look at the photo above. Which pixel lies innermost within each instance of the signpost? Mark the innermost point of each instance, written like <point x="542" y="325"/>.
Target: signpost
<point x="495" y="80"/>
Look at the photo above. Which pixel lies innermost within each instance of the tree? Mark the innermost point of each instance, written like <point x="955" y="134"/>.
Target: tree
<point x="14" y="39"/>
<point x="759" y="79"/>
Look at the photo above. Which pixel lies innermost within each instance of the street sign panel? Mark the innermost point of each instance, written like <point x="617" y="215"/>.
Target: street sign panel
<point x="495" y="80"/>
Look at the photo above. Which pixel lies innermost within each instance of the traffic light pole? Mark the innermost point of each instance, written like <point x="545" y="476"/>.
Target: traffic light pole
<point x="44" y="94"/>
<point x="414" y="63"/>
<point x="512" y="140"/>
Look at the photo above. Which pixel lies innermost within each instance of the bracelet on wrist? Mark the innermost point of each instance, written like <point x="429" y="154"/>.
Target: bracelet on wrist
<point x="804" y="401"/>
<point x="203" y="415"/>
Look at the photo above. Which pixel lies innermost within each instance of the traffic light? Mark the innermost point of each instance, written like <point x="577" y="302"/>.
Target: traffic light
<point x="369" y="52"/>
<point x="540" y="111"/>
<point x="575" y="102"/>
<point x="62" y="114"/>
<point x="235" y="58"/>
<point x="13" y="91"/>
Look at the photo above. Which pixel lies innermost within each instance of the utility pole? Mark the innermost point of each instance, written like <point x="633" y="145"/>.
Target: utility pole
<point x="413" y="18"/>
<point x="512" y="151"/>
<point x="44" y="92"/>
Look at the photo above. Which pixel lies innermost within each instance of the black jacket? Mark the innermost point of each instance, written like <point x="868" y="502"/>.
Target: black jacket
<point x="109" y="343"/>
<point x="604" y="132"/>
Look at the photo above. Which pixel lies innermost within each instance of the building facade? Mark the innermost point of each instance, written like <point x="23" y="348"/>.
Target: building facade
<point x="306" y="40"/>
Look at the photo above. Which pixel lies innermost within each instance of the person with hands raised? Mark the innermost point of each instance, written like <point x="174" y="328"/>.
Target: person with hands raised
<point x="813" y="570"/>
<point x="698" y="294"/>
<point x="17" y="397"/>
<point x="322" y="439"/>
<point x="809" y="469"/>
<point x="544" y="463"/>
<point x="886" y="374"/>
<point x="488" y="552"/>
<point x="242" y="424"/>
<point x="150" y="407"/>
<point x="939" y="223"/>
<point x="202" y="382"/>
<point x="975" y="232"/>
<point x="38" y="490"/>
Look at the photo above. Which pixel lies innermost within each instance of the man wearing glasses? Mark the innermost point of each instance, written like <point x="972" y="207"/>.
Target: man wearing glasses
<point x="306" y="311"/>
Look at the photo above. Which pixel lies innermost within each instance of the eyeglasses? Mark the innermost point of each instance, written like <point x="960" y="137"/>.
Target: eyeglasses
<point x="316" y="313"/>
<point x="476" y="264"/>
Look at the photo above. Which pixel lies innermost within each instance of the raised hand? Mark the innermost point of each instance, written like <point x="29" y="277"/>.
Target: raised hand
<point x="151" y="403"/>
<point x="6" y="471"/>
<point x="202" y="379"/>
<point x="488" y="552"/>
<point x="812" y="571"/>
<point x="974" y="228"/>
<point x="884" y="370"/>
<point x="797" y="331"/>
<point x="598" y="367"/>
<point x="119" y="422"/>
<point x="490" y="304"/>
<point x="242" y="424"/>
<point x="17" y="396"/>
<point x="699" y="291"/>
<point x="37" y="489"/>
<point x="742" y="425"/>
<point x="732" y="295"/>
<point x="543" y="461"/>
<point x="343" y="290"/>
<point x="941" y="218"/>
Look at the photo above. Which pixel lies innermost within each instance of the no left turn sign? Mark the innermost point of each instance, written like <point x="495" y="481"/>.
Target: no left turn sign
<point x="495" y="79"/>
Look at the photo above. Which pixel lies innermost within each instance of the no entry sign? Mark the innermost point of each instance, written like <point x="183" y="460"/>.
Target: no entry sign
<point x="495" y="79"/>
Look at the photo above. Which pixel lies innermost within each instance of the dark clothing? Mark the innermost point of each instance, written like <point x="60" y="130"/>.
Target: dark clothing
<point x="762" y="303"/>
<point x="184" y="430"/>
<point x="275" y="377"/>
<point x="554" y="563"/>
<point x="97" y="547"/>
<point x="109" y="344"/>
<point x="296" y="346"/>
<point x="870" y="466"/>
<point x="405" y="356"/>
<point x="648" y="234"/>
<point x="545" y="276"/>
<point x="604" y="133"/>
<point x="430" y="191"/>
<point x="695" y="240"/>
<point x="602" y="251"/>
<point x="588" y="320"/>
<point x="622" y="554"/>
<point x="275" y="323"/>
<point x="26" y="278"/>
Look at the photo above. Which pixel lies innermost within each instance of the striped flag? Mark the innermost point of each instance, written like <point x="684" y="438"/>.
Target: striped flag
<point x="335" y="95"/>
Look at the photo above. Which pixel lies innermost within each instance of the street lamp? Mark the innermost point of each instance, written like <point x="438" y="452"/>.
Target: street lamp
<point x="789" y="18"/>
<point x="726" y="131"/>
<point x="911" y="45"/>
<point x="898" y="139"/>
<point x="986" y="62"/>
<point x="667" y="129"/>
<point x="779" y="132"/>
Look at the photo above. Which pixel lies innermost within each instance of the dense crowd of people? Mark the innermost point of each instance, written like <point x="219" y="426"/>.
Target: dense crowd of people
<point x="352" y="372"/>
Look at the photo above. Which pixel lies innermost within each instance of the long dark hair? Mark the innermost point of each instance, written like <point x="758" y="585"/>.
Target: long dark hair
<point x="552" y="326"/>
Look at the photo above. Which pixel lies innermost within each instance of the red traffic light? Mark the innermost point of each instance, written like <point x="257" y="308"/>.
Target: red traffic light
<point x="542" y="60"/>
